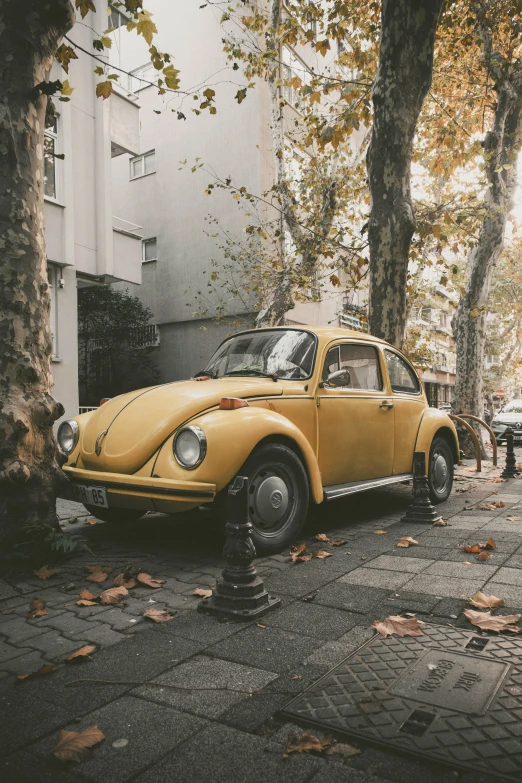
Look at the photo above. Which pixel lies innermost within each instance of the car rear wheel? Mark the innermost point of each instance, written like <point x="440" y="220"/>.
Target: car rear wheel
<point x="117" y="516"/>
<point x="440" y="470"/>
<point x="278" y="496"/>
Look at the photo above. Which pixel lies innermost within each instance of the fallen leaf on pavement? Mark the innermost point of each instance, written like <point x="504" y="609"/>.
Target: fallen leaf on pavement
<point x="499" y="481"/>
<point x="85" y="602"/>
<point x="499" y="504"/>
<point x="299" y="554"/>
<point x="45" y="572"/>
<point x="87" y="595"/>
<point x="36" y="608"/>
<point x="515" y="508"/>
<point x="83" y="652"/>
<point x="158" y="615"/>
<point x="490" y="544"/>
<point x="90" y="521"/>
<point x="322" y="537"/>
<point x="306" y="743"/>
<point x="113" y="595"/>
<point x="440" y="523"/>
<point x="202" y="592"/>
<point x="402" y="626"/>
<point x="310" y="597"/>
<point x="74" y="745"/>
<point x="474" y="549"/>
<point x="147" y="579"/>
<point x="380" y="532"/>
<point x="322" y="554"/>
<point x="123" y="581"/>
<point x="483" y="555"/>
<point x="343" y="750"/>
<point x="483" y="601"/>
<point x="486" y="507"/>
<point x="514" y="519"/>
<point x="407" y="541"/>
<point x="98" y="573"/>
<point x="337" y="543"/>
<point x="466" y="562"/>
<point x="488" y="622"/>
<point x="46" y="669"/>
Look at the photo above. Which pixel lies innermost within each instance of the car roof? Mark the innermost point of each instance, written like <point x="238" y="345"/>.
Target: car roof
<point x="327" y="333"/>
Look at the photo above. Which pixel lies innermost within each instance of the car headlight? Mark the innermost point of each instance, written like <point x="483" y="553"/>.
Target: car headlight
<point x="68" y="433"/>
<point x="190" y="447"/>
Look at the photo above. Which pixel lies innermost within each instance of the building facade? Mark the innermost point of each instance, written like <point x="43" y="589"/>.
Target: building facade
<point x="88" y="239"/>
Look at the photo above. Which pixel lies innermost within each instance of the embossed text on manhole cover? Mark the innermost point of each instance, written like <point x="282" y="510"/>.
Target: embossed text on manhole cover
<point x="449" y="695"/>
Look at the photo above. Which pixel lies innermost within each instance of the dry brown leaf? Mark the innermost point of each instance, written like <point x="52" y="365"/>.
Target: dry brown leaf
<point x="322" y="537"/>
<point x="46" y="669"/>
<point x="402" y="626"/>
<point x="90" y="521"/>
<point x="440" y="523"/>
<point x="488" y="622"/>
<point x="486" y="507"/>
<point x="474" y="549"/>
<point x="514" y="518"/>
<point x="499" y="481"/>
<point x="74" y="745"/>
<point x="490" y="544"/>
<point x="299" y="554"/>
<point x="45" y="572"/>
<point x="36" y="608"/>
<point x="158" y="615"/>
<point x="407" y="541"/>
<point x="380" y="532"/>
<point x="343" y="750"/>
<point x="499" y="504"/>
<point x="321" y="554"/>
<point x="202" y="592"/>
<point x="113" y="595"/>
<point x="85" y="602"/>
<point x="98" y="573"/>
<point x="483" y="555"/>
<point x="466" y="562"/>
<point x="515" y="508"/>
<point x="306" y="743"/>
<point x="337" y="543"/>
<point x="147" y="579"/>
<point x="483" y="601"/>
<point x="83" y="652"/>
<point x="122" y="580"/>
<point x="88" y="596"/>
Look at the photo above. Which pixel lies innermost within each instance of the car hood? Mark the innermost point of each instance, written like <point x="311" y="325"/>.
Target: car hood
<point x="508" y="418"/>
<point x="131" y="427"/>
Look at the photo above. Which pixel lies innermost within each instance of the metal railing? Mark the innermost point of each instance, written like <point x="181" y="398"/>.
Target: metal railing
<point x="87" y="408"/>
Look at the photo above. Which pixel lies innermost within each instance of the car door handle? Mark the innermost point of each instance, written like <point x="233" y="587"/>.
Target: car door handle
<point x="386" y="404"/>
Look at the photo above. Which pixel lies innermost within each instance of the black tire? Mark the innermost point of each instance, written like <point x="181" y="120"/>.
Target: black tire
<point x="116" y="516"/>
<point x="275" y="474"/>
<point x="440" y="470"/>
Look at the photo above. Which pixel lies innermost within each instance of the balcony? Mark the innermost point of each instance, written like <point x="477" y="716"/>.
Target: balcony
<point x="126" y="248"/>
<point x="125" y="125"/>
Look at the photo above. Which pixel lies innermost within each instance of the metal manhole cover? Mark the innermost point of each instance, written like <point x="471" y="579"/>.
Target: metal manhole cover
<point x="449" y="695"/>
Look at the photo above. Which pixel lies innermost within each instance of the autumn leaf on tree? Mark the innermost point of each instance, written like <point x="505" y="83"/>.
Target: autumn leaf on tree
<point x="158" y="615"/>
<point x="483" y="601"/>
<point x="147" y="579"/>
<point x="113" y="595"/>
<point x="82" y="653"/>
<point x="306" y="743"/>
<point x="488" y="622"/>
<point x="407" y="541"/>
<point x="36" y="608"/>
<point x="45" y="572"/>
<point x="401" y="626"/>
<point x="241" y="95"/>
<point x="64" y="55"/>
<point x="74" y="745"/>
<point x="104" y="89"/>
<point x="85" y="6"/>
<point x="171" y="75"/>
<point x="143" y="25"/>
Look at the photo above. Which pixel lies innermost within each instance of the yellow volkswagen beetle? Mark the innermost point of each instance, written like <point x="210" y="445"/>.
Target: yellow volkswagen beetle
<point x="307" y="414"/>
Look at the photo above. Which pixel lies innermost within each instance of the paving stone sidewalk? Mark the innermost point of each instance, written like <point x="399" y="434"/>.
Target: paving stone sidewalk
<point x="222" y="721"/>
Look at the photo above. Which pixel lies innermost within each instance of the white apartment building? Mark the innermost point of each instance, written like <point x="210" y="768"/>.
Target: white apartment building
<point x="88" y="238"/>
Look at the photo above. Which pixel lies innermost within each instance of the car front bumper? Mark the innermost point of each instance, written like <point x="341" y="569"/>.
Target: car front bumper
<point x="501" y="429"/>
<point x="141" y="492"/>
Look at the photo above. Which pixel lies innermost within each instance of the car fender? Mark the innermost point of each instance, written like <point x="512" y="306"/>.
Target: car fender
<point x="231" y="438"/>
<point x="432" y="423"/>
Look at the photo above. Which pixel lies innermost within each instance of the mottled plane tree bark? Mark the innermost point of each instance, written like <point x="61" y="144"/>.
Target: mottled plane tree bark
<point x="501" y="146"/>
<point x="402" y="83"/>
<point x="30" y="461"/>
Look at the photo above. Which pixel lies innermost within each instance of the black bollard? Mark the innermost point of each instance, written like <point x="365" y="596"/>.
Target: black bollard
<point x="421" y="510"/>
<point x="510" y="470"/>
<point x="240" y="593"/>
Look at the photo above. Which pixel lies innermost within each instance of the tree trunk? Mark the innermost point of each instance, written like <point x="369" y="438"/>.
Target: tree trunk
<point x="501" y="146"/>
<point x="402" y="83"/>
<point x="30" y="461"/>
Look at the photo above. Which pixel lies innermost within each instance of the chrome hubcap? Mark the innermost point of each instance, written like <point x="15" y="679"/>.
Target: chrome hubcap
<point x="271" y="500"/>
<point x="440" y="472"/>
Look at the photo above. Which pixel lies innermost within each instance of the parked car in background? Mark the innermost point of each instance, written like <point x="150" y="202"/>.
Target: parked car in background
<point x="508" y="418"/>
<point x="307" y="414"/>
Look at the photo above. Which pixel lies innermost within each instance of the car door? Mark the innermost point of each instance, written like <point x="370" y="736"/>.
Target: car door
<point x="409" y="405"/>
<point x="356" y="419"/>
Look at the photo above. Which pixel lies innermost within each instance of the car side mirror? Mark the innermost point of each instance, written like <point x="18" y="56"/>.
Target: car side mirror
<point x="339" y="378"/>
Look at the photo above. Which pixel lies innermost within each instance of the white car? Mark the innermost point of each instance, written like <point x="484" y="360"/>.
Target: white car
<point x="509" y="418"/>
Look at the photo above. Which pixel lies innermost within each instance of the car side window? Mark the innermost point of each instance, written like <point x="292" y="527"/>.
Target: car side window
<point x="362" y="362"/>
<point x="331" y="363"/>
<point x="403" y="378"/>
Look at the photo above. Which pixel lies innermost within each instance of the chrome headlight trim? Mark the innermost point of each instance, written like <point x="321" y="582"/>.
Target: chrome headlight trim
<point x="75" y="434"/>
<point x="200" y="435"/>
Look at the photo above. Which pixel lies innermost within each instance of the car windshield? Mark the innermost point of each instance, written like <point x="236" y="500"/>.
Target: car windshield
<point x="515" y="406"/>
<point x="282" y="353"/>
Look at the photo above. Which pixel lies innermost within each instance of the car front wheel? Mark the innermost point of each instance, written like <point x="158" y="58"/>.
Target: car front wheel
<point x="278" y="496"/>
<point x="440" y="470"/>
<point x="117" y="516"/>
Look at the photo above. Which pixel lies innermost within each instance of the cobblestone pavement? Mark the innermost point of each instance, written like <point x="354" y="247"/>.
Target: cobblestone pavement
<point x="232" y="731"/>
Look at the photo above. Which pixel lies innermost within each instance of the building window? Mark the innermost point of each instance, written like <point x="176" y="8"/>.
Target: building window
<point x="50" y="151"/>
<point x="292" y="68"/>
<point x="53" y="279"/>
<point x="149" y="250"/>
<point x="143" y="164"/>
<point x="138" y="75"/>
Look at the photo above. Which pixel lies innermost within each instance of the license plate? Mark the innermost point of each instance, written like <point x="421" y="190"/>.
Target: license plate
<point x="91" y="496"/>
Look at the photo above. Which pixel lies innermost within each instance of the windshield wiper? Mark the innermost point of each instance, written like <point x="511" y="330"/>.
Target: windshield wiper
<point x="254" y="372"/>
